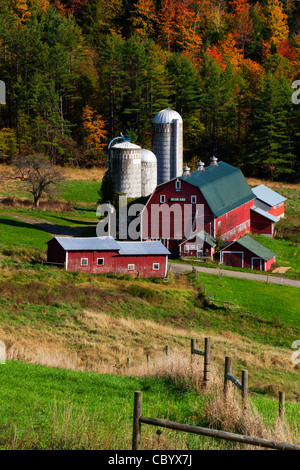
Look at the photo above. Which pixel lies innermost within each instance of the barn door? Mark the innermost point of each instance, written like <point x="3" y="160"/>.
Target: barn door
<point x="256" y="263"/>
<point x="234" y="259"/>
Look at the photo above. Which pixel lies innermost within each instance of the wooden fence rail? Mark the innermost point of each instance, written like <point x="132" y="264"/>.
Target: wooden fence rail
<point x="138" y="419"/>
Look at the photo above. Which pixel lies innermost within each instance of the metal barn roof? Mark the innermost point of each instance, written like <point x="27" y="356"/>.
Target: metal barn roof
<point x="143" y="248"/>
<point x="206" y="237"/>
<point x="224" y="187"/>
<point x="88" y="244"/>
<point x="267" y="195"/>
<point x="110" y="244"/>
<point x="264" y="214"/>
<point x="255" y="248"/>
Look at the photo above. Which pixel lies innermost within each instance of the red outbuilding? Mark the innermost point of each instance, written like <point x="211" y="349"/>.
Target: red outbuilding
<point x="106" y="255"/>
<point x="247" y="253"/>
<point x="269" y="201"/>
<point x="199" y="245"/>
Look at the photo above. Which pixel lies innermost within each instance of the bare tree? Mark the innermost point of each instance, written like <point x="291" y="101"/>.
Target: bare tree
<point x="38" y="174"/>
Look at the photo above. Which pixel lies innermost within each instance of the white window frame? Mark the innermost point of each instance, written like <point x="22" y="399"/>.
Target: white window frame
<point x="131" y="267"/>
<point x="102" y="264"/>
<point x="155" y="264"/>
<point x="194" y="199"/>
<point x="82" y="263"/>
<point x="162" y="198"/>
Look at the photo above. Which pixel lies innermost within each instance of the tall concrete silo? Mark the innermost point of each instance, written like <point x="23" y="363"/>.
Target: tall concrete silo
<point x="167" y="144"/>
<point x="149" y="172"/>
<point x="126" y="168"/>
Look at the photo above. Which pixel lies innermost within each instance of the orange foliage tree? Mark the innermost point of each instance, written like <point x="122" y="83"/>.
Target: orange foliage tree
<point x="144" y="17"/>
<point x="243" y="23"/>
<point x="94" y="128"/>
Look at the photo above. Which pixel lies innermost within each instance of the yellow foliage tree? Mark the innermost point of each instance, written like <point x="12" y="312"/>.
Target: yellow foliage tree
<point x="94" y="127"/>
<point x="20" y="9"/>
<point x="277" y="22"/>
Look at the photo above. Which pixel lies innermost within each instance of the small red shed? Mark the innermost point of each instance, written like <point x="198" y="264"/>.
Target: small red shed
<point x="247" y="253"/>
<point x="262" y="222"/>
<point x="105" y="254"/>
<point x="199" y="245"/>
<point x="269" y="200"/>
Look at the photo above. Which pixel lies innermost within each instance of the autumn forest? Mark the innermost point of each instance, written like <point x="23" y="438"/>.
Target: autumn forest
<point x="79" y="72"/>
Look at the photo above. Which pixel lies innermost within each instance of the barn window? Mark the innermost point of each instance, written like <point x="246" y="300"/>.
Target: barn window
<point x="193" y="199"/>
<point x="155" y="266"/>
<point x="100" y="261"/>
<point x="186" y="249"/>
<point x="219" y="226"/>
<point x="178" y="185"/>
<point x="131" y="267"/>
<point x="162" y="198"/>
<point x="84" y="262"/>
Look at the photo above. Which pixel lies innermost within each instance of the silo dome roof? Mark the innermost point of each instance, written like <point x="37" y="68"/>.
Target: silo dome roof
<point x="125" y="145"/>
<point x="167" y="116"/>
<point x="148" y="156"/>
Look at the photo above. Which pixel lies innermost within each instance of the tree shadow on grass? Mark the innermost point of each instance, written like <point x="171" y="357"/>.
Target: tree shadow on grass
<point x="59" y="230"/>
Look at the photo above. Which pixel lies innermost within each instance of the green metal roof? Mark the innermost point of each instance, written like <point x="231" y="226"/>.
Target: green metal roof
<point x="256" y="248"/>
<point x="206" y="238"/>
<point x="224" y="187"/>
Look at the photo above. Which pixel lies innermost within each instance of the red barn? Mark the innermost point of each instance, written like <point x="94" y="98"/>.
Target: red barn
<point x="269" y="201"/>
<point x="104" y="254"/>
<point x="247" y="253"/>
<point x="216" y="199"/>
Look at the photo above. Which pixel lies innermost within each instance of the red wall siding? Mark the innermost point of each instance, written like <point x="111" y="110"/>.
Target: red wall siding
<point x="269" y="263"/>
<point x="156" y="222"/>
<point x="74" y="261"/>
<point x="235" y="223"/>
<point x="143" y="265"/>
<point x="115" y="263"/>
<point x="260" y="224"/>
<point x="277" y="211"/>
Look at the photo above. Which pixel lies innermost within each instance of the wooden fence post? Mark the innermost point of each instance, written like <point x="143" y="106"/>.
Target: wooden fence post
<point x="206" y="361"/>
<point x="228" y="368"/>
<point x="137" y="413"/>
<point x="281" y="405"/>
<point x="128" y="361"/>
<point x="167" y="351"/>
<point x="147" y="356"/>
<point x="244" y="388"/>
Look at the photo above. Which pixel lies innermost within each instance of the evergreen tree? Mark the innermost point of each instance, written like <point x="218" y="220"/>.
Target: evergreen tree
<point x="271" y="137"/>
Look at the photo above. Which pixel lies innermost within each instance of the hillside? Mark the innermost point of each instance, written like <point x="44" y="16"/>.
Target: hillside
<point x="71" y="335"/>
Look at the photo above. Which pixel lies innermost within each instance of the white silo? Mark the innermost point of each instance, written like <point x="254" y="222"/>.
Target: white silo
<point x="149" y="172"/>
<point x="126" y="168"/>
<point x="167" y="144"/>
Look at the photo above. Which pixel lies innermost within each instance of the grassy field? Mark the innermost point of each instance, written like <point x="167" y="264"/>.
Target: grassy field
<point x="46" y="408"/>
<point x="85" y="327"/>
